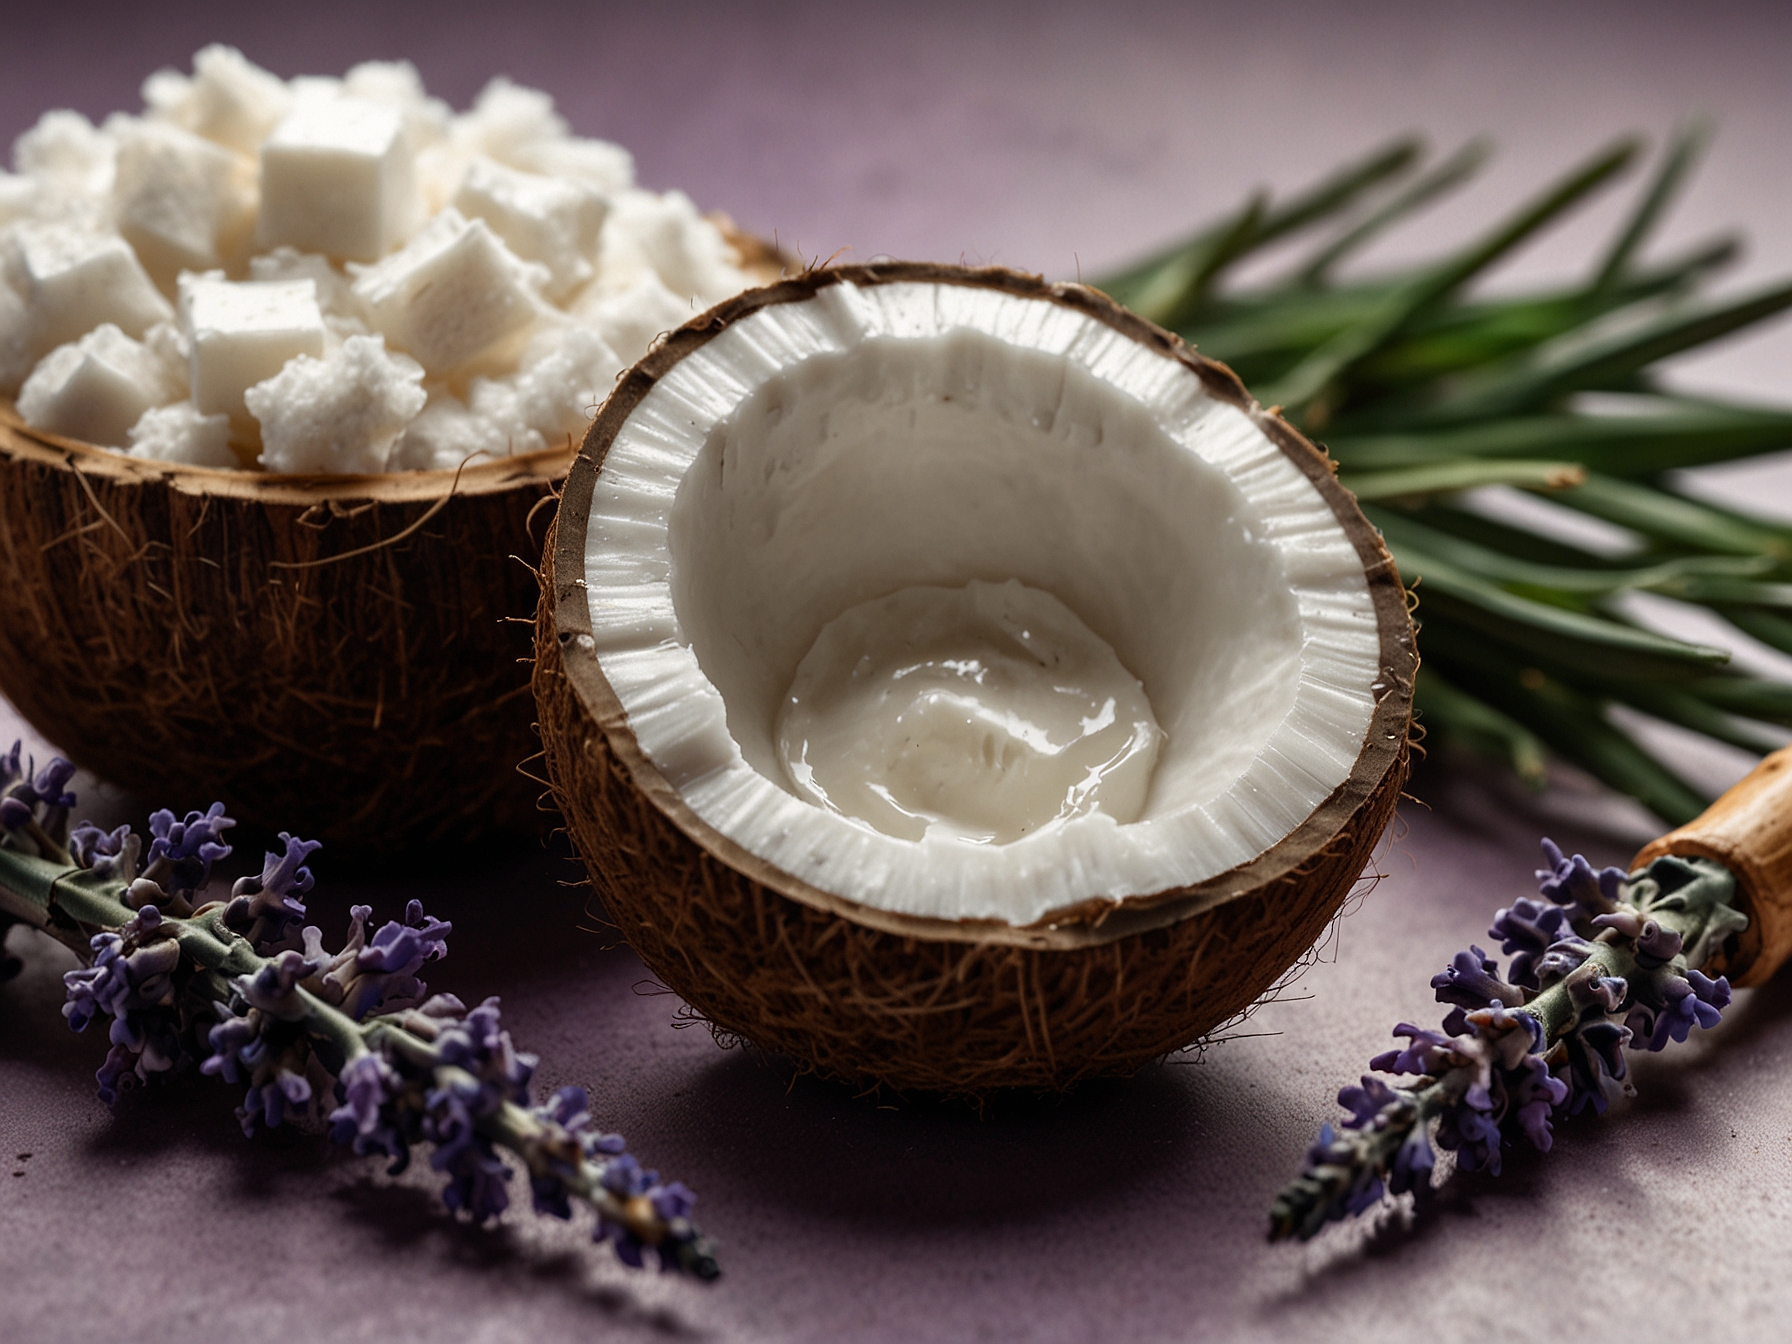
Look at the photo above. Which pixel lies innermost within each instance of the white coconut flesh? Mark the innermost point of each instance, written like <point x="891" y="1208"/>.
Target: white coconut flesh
<point x="897" y="443"/>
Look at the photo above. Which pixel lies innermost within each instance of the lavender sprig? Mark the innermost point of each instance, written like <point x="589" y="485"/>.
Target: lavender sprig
<point x="1604" y="961"/>
<point x="244" y="990"/>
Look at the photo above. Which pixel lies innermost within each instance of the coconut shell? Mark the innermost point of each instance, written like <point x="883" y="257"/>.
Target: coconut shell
<point x="1749" y="831"/>
<point x="343" y="657"/>
<point x="880" y="998"/>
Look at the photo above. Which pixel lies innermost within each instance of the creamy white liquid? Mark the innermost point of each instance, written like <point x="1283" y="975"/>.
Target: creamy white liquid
<point x="982" y="714"/>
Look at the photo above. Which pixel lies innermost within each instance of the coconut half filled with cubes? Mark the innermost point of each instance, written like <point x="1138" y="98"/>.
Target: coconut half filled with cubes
<point x="293" y="369"/>
<point x="954" y="682"/>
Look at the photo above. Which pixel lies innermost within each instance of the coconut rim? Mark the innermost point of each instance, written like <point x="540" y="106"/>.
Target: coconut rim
<point x="1096" y="920"/>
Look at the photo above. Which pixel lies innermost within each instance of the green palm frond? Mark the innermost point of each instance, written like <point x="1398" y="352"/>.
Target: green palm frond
<point x="1422" y="390"/>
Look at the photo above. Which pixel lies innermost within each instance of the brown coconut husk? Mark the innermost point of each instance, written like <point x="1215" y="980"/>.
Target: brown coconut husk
<point x="879" y="998"/>
<point x="344" y="657"/>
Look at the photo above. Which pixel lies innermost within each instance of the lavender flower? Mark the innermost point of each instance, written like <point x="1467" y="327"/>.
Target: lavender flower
<point x="1527" y="928"/>
<point x="235" y="987"/>
<point x="264" y="909"/>
<point x="34" y="803"/>
<point x="132" y="981"/>
<point x="1573" y="883"/>
<point x="1472" y="981"/>
<point x="1610" y="960"/>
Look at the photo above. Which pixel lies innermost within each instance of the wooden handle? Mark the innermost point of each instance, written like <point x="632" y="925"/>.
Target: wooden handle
<point x="1749" y="831"/>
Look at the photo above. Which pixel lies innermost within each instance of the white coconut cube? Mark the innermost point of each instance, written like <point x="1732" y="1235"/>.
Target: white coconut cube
<point x="337" y="177"/>
<point x="240" y="334"/>
<point x="342" y="413"/>
<point x="228" y="99"/>
<point x="452" y="294"/>
<point x="184" y="203"/>
<point x="96" y="388"/>
<point x="549" y="220"/>
<point x="72" y="280"/>
<point x="179" y="433"/>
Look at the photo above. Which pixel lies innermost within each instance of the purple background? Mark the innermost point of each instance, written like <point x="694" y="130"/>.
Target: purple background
<point x="1053" y="137"/>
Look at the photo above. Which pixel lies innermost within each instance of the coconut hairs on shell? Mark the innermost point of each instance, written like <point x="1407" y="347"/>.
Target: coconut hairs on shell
<point x="871" y="1006"/>
<point x="330" y="657"/>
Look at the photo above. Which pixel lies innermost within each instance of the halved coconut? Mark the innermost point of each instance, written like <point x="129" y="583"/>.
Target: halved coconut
<point x="896" y="429"/>
<point x="339" y="656"/>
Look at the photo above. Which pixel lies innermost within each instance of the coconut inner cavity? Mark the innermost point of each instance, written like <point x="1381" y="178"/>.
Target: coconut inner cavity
<point x="788" y="486"/>
<point x="980" y="714"/>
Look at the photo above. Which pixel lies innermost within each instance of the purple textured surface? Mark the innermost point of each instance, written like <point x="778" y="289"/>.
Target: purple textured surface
<point x="1048" y="137"/>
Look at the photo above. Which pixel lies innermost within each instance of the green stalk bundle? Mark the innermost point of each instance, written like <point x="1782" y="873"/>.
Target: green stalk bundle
<point x="1421" y="390"/>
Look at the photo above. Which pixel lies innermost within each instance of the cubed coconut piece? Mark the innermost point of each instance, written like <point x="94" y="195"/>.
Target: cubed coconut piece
<point x="343" y="312"/>
<point x="184" y="203"/>
<point x="544" y="219"/>
<point x="342" y="413"/>
<point x="446" y="434"/>
<point x="240" y="334"/>
<point x="179" y="433"/>
<point x="227" y="99"/>
<point x="68" y="156"/>
<point x="96" y="388"/>
<point x="337" y="177"/>
<point x="567" y="372"/>
<point x="688" y="251"/>
<point x="520" y="127"/>
<point x="72" y="280"/>
<point x="632" y="318"/>
<point x="397" y="84"/>
<point x="452" y="294"/>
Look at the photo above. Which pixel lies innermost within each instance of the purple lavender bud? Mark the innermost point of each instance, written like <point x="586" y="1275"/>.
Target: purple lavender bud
<point x="1472" y="1134"/>
<point x="1689" y="1003"/>
<point x="1412" y="1165"/>
<point x="383" y="973"/>
<point x="1572" y="882"/>
<point x="1365" y="1103"/>
<point x="1533" y="1093"/>
<point x="672" y="1201"/>
<point x="274" y="988"/>
<point x="15" y="815"/>
<point x="228" y="1041"/>
<point x="11" y="770"/>
<point x="1472" y="980"/>
<point x="368" y="1087"/>
<point x="92" y="846"/>
<point x="116" y="1073"/>
<point x="1527" y="928"/>
<point x="623" y="1177"/>
<point x="1429" y="1052"/>
<point x="50" y="783"/>
<point x="569" y="1107"/>
<point x="264" y="909"/>
<point x="181" y="853"/>
<point x="475" y="1175"/>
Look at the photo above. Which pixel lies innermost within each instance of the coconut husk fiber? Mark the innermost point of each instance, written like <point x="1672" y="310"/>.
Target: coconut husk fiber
<point x="328" y="656"/>
<point x="878" y="998"/>
<point x="343" y="657"/>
